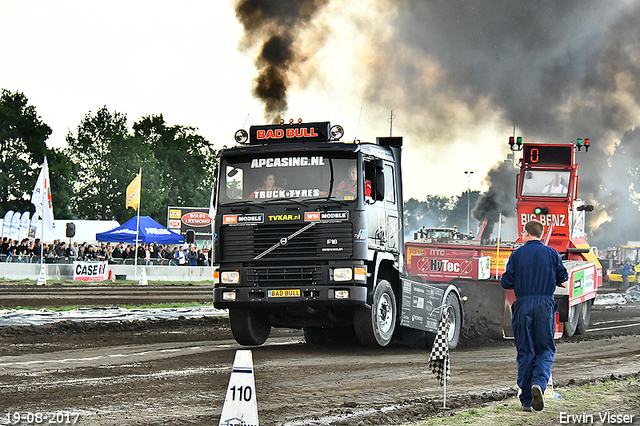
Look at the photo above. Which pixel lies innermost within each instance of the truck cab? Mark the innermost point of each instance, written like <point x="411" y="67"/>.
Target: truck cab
<point x="305" y="226"/>
<point x="309" y="235"/>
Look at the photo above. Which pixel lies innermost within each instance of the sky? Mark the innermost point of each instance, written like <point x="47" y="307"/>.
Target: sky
<point x="184" y="60"/>
<point x="458" y="77"/>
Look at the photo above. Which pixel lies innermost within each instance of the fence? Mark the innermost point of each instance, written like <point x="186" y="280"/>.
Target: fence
<point x="69" y="260"/>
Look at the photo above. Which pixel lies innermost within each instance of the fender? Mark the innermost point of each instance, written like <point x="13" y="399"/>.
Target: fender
<point x="374" y="265"/>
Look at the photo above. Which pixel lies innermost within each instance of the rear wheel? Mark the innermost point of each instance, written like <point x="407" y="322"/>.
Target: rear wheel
<point x="249" y="327"/>
<point x="375" y="326"/>
<point x="571" y="324"/>
<point x="585" y="316"/>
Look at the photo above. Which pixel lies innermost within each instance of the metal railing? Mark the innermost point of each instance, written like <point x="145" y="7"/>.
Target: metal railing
<point x="33" y="258"/>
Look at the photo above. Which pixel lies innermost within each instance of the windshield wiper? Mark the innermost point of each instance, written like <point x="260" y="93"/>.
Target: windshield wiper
<point x="294" y="199"/>
<point x="328" y="199"/>
<point x="243" y="203"/>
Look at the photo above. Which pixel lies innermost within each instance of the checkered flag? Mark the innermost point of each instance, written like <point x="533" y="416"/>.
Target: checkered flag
<point x="439" y="358"/>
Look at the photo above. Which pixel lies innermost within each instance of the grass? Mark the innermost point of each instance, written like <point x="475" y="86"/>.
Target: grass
<point x="618" y="397"/>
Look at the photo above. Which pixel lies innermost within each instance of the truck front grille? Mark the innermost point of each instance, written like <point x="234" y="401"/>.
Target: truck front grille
<point x="283" y="276"/>
<point x="322" y="241"/>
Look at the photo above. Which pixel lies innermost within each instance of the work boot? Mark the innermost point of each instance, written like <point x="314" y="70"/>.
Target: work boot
<point x="526" y="408"/>
<point x="536" y="393"/>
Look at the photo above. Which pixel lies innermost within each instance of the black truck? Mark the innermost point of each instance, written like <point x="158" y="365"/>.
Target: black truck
<point x="309" y="235"/>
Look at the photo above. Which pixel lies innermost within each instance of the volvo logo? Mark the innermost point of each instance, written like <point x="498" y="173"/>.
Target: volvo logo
<point x="284" y="241"/>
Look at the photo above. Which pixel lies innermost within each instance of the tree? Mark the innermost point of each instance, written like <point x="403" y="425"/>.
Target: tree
<point x="63" y="174"/>
<point x="431" y="213"/>
<point x="185" y="159"/>
<point x="176" y="163"/>
<point x="458" y="211"/>
<point x="108" y="157"/>
<point x="22" y="146"/>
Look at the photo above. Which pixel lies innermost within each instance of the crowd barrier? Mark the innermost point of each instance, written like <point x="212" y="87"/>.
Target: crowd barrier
<point x="63" y="271"/>
<point x="69" y="260"/>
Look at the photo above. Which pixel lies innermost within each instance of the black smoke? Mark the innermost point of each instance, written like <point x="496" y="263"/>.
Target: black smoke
<point x="499" y="199"/>
<point x="271" y="27"/>
<point x="557" y="71"/>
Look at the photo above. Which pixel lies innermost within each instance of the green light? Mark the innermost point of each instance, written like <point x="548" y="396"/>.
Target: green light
<point x="537" y="210"/>
<point x="579" y="141"/>
<point x="519" y="140"/>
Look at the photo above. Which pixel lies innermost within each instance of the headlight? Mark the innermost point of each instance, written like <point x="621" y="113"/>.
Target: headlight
<point x="342" y="274"/>
<point x="228" y="295"/>
<point x="230" y="277"/>
<point x="341" y="294"/>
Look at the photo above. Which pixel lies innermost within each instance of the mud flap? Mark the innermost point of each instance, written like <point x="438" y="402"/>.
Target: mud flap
<point x="562" y="306"/>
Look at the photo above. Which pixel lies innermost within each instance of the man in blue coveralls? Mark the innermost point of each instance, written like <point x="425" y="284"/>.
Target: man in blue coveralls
<point x="533" y="272"/>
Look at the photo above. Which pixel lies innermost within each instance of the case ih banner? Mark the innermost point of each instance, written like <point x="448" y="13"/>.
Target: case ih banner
<point x="188" y="221"/>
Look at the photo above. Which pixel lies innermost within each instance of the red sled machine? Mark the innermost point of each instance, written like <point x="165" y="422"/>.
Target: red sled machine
<point x="546" y="190"/>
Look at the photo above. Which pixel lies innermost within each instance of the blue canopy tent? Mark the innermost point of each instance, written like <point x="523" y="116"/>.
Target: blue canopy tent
<point x="150" y="232"/>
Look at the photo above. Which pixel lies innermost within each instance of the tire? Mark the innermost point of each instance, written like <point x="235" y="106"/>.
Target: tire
<point x="249" y="327"/>
<point x="571" y="325"/>
<point x="585" y="316"/>
<point x="455" y="322"/>
<point x="375" y="326"/>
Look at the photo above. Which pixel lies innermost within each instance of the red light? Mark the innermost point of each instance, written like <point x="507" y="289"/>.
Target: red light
<point x="511" y="140"/>
<point x="587" y="142"/>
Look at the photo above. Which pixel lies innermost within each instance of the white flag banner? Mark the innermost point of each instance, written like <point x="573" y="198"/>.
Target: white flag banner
<point x="212" y="208"/>
<point x="14" y="231"/>
<point x="6" y="223"/>
<point x="24" y="226"/>
<point x="41" y="198"/>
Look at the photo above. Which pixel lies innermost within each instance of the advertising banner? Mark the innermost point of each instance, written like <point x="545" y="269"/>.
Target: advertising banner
<point x="90" y="271"/>
<point x="191" y="222"/>
<point x="420" y="305"/>
<point x="446" y="268"/>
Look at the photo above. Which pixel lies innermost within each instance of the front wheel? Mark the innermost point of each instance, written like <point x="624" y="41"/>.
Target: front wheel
<point x="375" y="326"/>
<point x="455" y="322"/>
<point x="249" y="327"/>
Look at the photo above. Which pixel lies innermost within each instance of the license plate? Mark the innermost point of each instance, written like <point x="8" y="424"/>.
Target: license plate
<point x="295" y="292"/>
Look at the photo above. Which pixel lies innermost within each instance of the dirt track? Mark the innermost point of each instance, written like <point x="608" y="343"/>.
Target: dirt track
<point x="176" y="372"/>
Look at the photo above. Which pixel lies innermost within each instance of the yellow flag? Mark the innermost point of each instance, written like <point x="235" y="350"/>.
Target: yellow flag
<point x="133" y="192"/>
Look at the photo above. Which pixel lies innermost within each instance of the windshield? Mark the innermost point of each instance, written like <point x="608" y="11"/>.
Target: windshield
<point x="270" y="178"/>
<point x="628" y="255"/>
<point x="545" y="183"/>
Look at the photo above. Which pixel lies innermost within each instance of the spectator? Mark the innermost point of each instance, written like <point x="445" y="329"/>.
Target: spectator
<point x="142" y="251"/>
<point x="202" y="259"/>
<point x="60" y="250"/>
<point x="37" y="247"/>
<point x="193" y="255"/>
<point x="4" y="247"/>
<point x="180" y="256"/>
<point x="165" y="253"/>
<point x="154" y="251"/>
<point x="73" y="250"/>
<point x="118" y="251"/>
